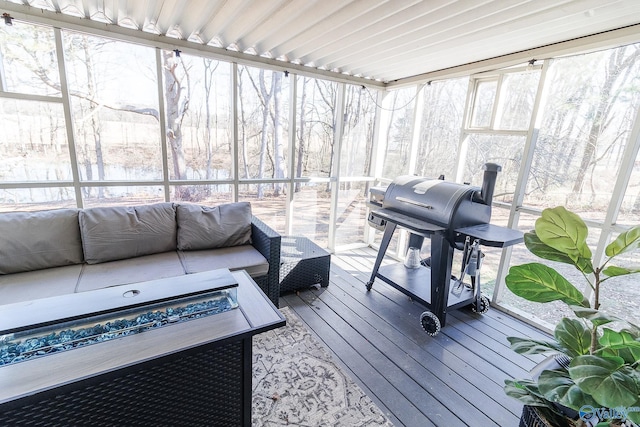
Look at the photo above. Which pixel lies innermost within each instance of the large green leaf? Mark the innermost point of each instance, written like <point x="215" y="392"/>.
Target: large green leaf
<point x="527" y="346"/>
<point x="526" y="391"/>
<point x="536" y="247"/>
<point x="634" y="415"/>
<point x="539" y="283"/>
<point x="557" y="386"/>
<point x="564" y="231"/>
<point x="608" y="380"/>
<point x="613" y="271"/>
<point x="621" y="344"/>
<point x="594" y="316"/>
<point x="599" y="318"/>
<point x="573" y="336"/>
<point x="627" y="241"/>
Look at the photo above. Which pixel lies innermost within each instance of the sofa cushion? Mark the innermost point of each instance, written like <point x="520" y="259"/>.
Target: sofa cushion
<point x="244" y="257"/>
<point x="45" y="283"/>
<point x="204" y="227"/>
<point x="132" y="270"/>
<point x="36" y="240"/>
<point x="119" y="232"/>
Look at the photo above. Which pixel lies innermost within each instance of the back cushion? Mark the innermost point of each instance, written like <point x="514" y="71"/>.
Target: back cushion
<point x="36" y="240"/>
<point x="203" y="227"/>
<point x="121" y="232"/>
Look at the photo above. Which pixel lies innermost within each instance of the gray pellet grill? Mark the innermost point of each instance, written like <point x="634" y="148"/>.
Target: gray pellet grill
<point x="455" y="217"/>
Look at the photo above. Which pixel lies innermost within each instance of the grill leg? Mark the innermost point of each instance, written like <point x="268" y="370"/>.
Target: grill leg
<point x="384" y="244"/>
<point x="441" y="257"/>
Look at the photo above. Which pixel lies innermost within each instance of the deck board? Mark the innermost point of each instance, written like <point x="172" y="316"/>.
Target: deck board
<point x="452" y="379"/>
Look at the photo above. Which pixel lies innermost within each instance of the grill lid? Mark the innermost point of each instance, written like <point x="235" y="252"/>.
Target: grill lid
<point x="431" y="200"/>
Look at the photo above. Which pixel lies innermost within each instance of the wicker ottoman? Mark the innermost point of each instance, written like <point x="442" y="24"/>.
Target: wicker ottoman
<point x="302" y="264"/>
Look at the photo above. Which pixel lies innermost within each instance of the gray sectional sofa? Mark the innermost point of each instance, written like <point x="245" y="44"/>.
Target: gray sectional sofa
<point x="62" y="251"/>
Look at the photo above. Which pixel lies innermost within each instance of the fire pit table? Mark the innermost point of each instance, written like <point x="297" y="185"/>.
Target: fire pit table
<point x="176" y="367"/>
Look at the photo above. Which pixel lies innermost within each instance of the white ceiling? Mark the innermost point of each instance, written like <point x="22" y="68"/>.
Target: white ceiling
<point x="380" y="40"/>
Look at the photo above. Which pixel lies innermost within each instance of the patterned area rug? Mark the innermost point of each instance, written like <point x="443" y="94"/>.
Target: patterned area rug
<point x="297" y="383"/>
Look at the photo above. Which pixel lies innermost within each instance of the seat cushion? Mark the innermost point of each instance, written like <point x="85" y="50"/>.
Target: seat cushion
<point x="132" y="270"/>
<point x="120" y="232"/>
<point x="222" y="226"/>
<point x="244" y="257"/>
<point x="36" y="240"/>
<point x="45" y="283"/>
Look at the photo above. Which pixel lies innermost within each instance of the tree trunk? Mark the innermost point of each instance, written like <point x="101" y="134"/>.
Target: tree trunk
<point x="96" y="126"/>
<point x="176" y="109"/>
<point x="329" y="99"/>
<point x="264" y="140"/>
<point x="243" y="125"/>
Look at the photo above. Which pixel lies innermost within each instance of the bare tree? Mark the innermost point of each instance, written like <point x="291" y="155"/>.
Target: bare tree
<point x="265" y="98"/>
<point x="177" y="95"/>
<point x="210" y="69"/>
<point x="177" y="91"/>
<point x="243" y="122"/>
<point x="270" y="96"/>
<point x="618" y="70"/>
<point x="328" y="95"/>
<point x="95" y="124"/>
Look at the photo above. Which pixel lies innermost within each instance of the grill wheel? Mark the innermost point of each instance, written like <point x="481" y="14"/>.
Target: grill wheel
<point x="484" y="305"/>
<point x="430" y="323"/>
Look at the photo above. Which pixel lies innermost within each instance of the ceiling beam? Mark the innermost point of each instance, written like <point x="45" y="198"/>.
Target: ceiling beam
<point x="498" y="32"/>
<point x="60" y="20"/>
<point x="600" y="41"/>
<point x="303" y="41"/>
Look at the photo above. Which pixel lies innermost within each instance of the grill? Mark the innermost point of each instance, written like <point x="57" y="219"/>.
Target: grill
<point x="455" y="217"/>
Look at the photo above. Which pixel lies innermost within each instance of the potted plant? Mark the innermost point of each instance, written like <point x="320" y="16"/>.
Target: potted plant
<point x="598" y="374"/>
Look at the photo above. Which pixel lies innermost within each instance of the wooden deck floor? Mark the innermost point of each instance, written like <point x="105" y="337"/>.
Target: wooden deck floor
<point x="452" y="379"/>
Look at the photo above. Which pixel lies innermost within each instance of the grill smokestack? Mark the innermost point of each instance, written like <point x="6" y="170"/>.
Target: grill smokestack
<point x="489" y="182"/>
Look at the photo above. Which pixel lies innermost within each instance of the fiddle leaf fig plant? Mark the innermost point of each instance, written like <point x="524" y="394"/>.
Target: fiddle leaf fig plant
<point x="603" y="372"/>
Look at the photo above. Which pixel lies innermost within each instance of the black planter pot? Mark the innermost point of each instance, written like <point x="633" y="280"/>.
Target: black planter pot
<point x="531" y="417"/>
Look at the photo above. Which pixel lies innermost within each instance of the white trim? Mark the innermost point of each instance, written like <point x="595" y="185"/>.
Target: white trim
<point x="291" y="152"/>
<point x="3" y="80"/>
<point x="416" y="127"/>
<point x="66" y="105"/>
<point x="535" y="122"/>
<point x="623" y="176"/>
<point x="335" y="173"/>
<point x="27" y="97"/>
<point x="235" y="143"/>
<point x="162" y="124"/>
<point x="375" y="165"/>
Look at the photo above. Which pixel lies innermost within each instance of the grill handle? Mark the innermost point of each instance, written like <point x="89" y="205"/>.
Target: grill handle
<point x="414" y="202"/>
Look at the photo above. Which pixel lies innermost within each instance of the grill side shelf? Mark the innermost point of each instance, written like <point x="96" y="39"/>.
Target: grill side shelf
<point x="493" y="235"/>
<point x="421" y="227"/>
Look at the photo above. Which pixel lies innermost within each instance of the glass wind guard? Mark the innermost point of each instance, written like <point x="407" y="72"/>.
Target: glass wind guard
<point x="44" y="340"/>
